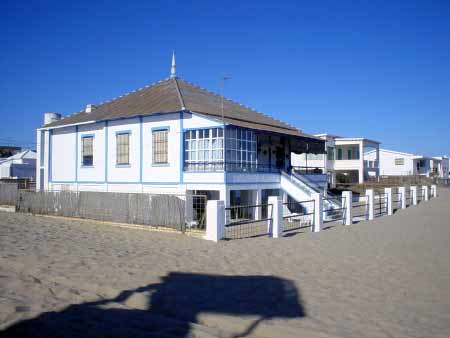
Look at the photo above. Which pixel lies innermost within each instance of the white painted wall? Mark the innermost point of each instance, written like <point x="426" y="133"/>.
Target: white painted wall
<point x="63" y="154"/>
<point x="387" y="162"/>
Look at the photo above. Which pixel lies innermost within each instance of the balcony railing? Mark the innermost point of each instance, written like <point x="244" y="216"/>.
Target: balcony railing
<point x="302" y="170"/>
<point x="230" y="166"/>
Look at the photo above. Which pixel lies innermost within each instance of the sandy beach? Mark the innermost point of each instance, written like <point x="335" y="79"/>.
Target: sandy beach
<point x="386" y="278"/>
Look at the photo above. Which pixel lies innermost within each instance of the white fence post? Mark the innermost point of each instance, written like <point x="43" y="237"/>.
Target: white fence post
<point x="370" y="203"/>
<point x="318" y="211"/>
<point x="425" y="192"/>
<point x="388" y="192"/>
<point x="277" y="216"/>
<point x="215" y="220"/>
<point x="347" y="204"/>
<point x="413" y="192"/>
<point x="402" y="192"/>
<point x="433" y="190"/>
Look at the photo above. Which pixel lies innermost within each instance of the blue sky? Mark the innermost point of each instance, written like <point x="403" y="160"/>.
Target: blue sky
<point x="378" y="69"/>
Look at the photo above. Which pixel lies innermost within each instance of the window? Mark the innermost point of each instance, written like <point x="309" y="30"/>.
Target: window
<point x="330" y="153"/>
<point x="203" y="149"/>
<point x="399" y="161"/>
<point x="339" y="154"/>
<point x="123" y="148"/>
<point x="160" y="146"/>
<point x="349" y="154"/>
<point x="87" y="150"/>
<point x="241" y="149"/>
<point x="314" y="157"/>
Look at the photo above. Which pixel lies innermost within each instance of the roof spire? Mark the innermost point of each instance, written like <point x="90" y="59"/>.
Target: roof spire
<point x="174" y="66"/>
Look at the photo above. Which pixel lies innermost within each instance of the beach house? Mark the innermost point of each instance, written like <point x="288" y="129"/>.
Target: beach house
<point x="174" y="137"/>
<point x="395" y="163"/>
<point x="345" y="159"/>
<point x="19" y="165"/>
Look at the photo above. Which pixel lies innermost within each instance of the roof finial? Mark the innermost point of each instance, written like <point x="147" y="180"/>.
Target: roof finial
<point x="174" y="66"/>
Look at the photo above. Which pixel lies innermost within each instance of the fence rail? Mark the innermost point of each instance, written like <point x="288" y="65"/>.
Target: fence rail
<point x="380" y="204"/>
<point x="333" y="214"/>
<point x="298" y="215"/>
<point x="244" y="221"/>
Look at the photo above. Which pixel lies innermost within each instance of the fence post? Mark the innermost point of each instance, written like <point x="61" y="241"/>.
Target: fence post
<point x="388" y="192"/>
<point x="215" y="220"/>
<point x="276" y="228"/>
<point x="370" y="203"/>
<point x="402" y="192"/>
<point x="318" y="211"/>
<point x="413" y="192"/>
<point x="347" y="203"/>
<point x="425" y="192"/>
<point x="433" y="190"/>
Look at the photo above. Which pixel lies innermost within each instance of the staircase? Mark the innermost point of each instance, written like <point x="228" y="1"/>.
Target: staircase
<point x="301" y="189"/>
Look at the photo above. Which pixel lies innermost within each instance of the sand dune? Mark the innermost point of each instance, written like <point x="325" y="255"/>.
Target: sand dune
<point x="385" y="278"/>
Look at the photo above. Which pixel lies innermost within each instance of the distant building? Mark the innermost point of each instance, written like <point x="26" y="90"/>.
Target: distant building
<point x="345" y="157"/>
<point x="20" y="165"/>
<point x="395" y="163"/>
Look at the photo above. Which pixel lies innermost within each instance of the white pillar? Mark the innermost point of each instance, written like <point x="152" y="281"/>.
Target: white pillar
<point x="370" y="203"/>
<point x="258" y="210"/>
<point x="402" y="192"/>
<point x="413" y="192"/>
<point x="318" y="211"/>
<point x="215" y="220"/>
<point x="425" y="192"/>
<point x="276" y="224"/>
<point x="347" y="202"/>
<point x="433" y="190"/>
<point x="388" y="192"/>
<point x="361" y="162"/>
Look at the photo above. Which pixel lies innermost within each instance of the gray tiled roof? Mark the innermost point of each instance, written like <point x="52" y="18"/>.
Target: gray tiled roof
<point x="176" y="94"/>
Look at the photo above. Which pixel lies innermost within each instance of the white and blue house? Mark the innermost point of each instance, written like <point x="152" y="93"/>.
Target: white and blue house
<point x="175" y="137"/>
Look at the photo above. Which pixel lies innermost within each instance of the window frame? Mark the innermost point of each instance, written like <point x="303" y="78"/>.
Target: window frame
<point x="121" y="133"/>
<point x="158" y="130"/>
<point x="83" y="138"/>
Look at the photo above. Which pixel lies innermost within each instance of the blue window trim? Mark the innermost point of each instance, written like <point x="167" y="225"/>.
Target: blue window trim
<point x="106" y="151"/>
<point x="82" y="136"/>
<point x="122" y="132"/>
<point x="202" y="128"/>
<point x="161" y="128"/>
<point x="123" y="165"/>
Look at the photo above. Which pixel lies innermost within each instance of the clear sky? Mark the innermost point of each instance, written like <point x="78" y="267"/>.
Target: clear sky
<point x="378" y="69"/>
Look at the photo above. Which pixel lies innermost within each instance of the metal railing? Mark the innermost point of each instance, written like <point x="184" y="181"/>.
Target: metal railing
<point x="298" y="215"/>
<point x="230" y="166"/>
<point x="360" y="209"/>
<point x="333" y="214"/>
<point x="304" y="170"/>
<point x="396" y="200"/>
<point x="380" y="204"/>
<point x="244" y="221"/>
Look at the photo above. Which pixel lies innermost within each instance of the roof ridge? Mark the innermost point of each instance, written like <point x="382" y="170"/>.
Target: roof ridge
<point x="180" y="96"/>
<point x="237" y="103"/>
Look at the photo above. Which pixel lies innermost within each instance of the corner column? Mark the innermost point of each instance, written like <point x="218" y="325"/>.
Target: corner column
<point x="370" y="203"/>
<point x="347" y="204"/>
<point x="318" y="211"/>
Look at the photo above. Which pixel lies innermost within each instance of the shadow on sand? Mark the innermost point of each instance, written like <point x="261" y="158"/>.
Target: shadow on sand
<point x="170" y="308"/>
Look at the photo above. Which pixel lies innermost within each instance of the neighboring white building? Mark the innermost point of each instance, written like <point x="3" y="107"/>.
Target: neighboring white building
<point x="173" y="137"/>
<point x="395" y="163"/>
<point x="20" y="165"/>
<point x="344" y="156"/>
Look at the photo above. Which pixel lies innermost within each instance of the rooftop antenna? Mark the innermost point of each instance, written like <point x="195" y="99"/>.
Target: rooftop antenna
<point x="173" y="70"/>
<point x="222" y="88"/>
